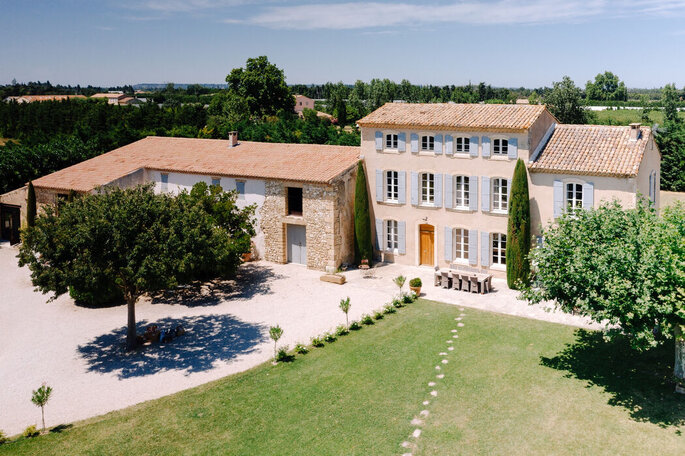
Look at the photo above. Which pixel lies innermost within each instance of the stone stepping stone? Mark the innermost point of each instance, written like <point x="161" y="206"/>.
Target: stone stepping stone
<point x="460" y="324"/>
<point x="440" y="376"/>
<point x="416" y="434"/>
<point x="406" y="454"/>
<point x="406" y="444"/>
<point x="442" y="354"/>
<point x="458" y="318"/>
<point x="417" y="422"/>
<point x="431" y="383"/>
<point x="450" y="348"/>
<point x="424" y="412"/>
<point x="426" y="402"/>
<point x="462" y="315"/>
<point x="454" y="330"/>
<point x="437" y="368"/>
<point x="444" y="361"/>
<point x="434" y="393"/>
<point x="449" y="341"/>
<point x="461" y="309"/>
<point x="455" y="337"/>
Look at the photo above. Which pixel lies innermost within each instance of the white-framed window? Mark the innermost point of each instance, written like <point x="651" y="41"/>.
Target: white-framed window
<point x="165" y="182"/>
<point x="461" y="145"/>
<point x="500" y="146"/>
<point x="427" y="188"/>
<point x="391" y="235"/>
<point x="500" y="195"/>
<point x="391" y="141"/>
<point x="427" y="142"/>
<point x="240" y="186"/>
<point x="499" y="249"/>
<point x="461" y="192"/>
<point x="392" y="186"/>
<point x="461" y="245"/>
<point x="574" y="196"/>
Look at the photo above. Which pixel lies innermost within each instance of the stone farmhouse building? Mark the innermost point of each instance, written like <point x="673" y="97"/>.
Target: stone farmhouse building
<point x="304" y="193"/>
<point x="440" y="176"/>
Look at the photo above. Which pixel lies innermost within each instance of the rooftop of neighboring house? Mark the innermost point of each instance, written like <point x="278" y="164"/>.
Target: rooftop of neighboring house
<point x="594" y="150"/>
<point x="454" y="116"/>
<point x="312" y="163"/>
<point x="32" y="98"/>
<point x="108" y="95"/>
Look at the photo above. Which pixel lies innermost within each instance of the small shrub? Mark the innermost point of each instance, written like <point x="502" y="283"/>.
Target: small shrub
<point x="389" y="309"/>
<point x="414" y="296"/>
<point x="283" y="356"/>
<point x="378" y="315"/>
<point x="407" y="299"/>
<point x="342" y="330"/>
<point x="415" y="282"/>
<point x="317" y="342"/>
<point x="3" y="437"/>
<point x="399" y="281"/>
<point x="329" y="337"/>
<point x="301" y="349"/>
<point x="367" y="320"/>
<point x="355" y="326"/>
<point x="31" y="431"/>
<point x="397" y="303"/>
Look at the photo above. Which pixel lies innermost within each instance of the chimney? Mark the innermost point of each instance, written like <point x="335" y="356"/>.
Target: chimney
<point x="635" y="131"/>
<point x="233" y="138"/>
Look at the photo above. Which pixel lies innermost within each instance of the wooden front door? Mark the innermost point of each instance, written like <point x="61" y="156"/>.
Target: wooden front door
<point x="297" y="244"/>
<point x="426" y="244"/>
<point x="10" y="223"/>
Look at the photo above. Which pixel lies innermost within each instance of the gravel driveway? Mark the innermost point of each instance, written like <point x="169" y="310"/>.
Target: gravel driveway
<point x="78" y="350"/>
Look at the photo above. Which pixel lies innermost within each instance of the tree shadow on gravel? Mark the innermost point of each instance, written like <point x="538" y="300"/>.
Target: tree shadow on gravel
<point x="208" y="338"/>
<point x="250" y="281"/>
<point x="641" y="382"/>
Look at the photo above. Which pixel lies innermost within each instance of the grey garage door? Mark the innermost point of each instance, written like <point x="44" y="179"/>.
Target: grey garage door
<point x="297" y="244"/>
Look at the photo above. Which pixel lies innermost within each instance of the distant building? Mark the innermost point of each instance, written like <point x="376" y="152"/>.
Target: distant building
<point x="132" y="101"/>
<point x="35" y="98"/>
<point x="112" y="98"/>
<point x="302" y="103"/>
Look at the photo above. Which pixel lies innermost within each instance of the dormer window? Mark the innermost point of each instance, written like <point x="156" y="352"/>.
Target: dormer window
<point x="428" y="142"/>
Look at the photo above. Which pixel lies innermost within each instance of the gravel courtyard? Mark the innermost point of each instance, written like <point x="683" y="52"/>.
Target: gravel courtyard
<point x="78" y="350"/>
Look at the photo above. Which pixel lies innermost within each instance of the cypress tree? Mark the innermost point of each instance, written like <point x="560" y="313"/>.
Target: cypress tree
<point x="31" y="206"/>
<point x="363" y="248"/>
<point x="518" y="231"/>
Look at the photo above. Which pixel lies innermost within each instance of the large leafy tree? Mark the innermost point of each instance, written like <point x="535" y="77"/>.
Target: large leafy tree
<point x="263" y="85"/>
<point x="606" y="87"/>
<point x="565" y="102"/>
<point x="518" y="230"/>
<point x="671" y="141"/>
<point x="624" y="267"/>
<point x="139" y="240"/>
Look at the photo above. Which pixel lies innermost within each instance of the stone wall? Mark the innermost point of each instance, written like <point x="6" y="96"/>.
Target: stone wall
<point x="273" y="211"/>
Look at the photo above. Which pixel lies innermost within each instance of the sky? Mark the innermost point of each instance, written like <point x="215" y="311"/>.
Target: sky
<point x="506" y="43"/>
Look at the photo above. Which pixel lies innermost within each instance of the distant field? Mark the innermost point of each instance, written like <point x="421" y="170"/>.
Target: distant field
<point x="627" y="116"/>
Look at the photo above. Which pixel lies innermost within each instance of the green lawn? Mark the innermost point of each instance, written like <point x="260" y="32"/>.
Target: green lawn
<point x="512" y="386"/>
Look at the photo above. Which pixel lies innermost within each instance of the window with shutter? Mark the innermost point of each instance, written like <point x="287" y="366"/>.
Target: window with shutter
<point x="500" y="195"/>
<point x="391" y="141"/>
<point x="499" y="249"/>
<point x="461" y="245"/>
<point x="500" y="147"/>
<point x="461" y="192"/>
<point x="462" y="145"/>
<point x="427" y="188"/>
<point x="427" y="143"/>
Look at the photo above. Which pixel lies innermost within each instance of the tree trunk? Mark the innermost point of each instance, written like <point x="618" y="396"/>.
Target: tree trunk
<point x="42" y="414"/>
<point x="679" y="365"/>
<point x="131" y="332"/>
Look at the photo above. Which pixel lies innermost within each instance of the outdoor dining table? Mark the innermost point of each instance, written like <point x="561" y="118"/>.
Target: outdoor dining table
<point x="444" y="273"/>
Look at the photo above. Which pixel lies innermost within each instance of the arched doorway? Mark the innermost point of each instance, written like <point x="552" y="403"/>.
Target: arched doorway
<point x="426" y="244"/>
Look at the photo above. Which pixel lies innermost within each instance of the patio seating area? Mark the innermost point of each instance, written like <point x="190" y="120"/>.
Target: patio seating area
<point x="457" y="277"/>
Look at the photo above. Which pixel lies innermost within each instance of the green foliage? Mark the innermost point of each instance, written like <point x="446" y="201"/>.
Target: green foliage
<point x="670" y="99"/>
<point x="606" y="86"/>
<point x="317" y="342"/>
<point x="282" y="356"/>
<point x="275" y="333"/>
<point x="363" y="248"/>
<point x="399" y="281"/>
<point x="407" y="299"/>
<point x="518" y="229"/>
<point x="565" y="102"/>
<point x="378" y="315"/>
<point x="342" y="330"/>
<point x="337" y="103"/>
<point x="3" y="437"/>
<point x="30" y="205"/>
<point x="397" y="303"/>
<point x="415" y="282"/>
<point x="31" y="431"/>
<point x="389" y="309"/>
<point x="301" y="349"/>
<point x="41" y="396"/>
<point x="329" y="337"/>
<point x="355" y="326"/>
<point x="138" y="241"/>
<point x="622" y="266"/>
<point x="367" y="319"/>
<point x="262" y="85"/>
<point x="345" y="307"/>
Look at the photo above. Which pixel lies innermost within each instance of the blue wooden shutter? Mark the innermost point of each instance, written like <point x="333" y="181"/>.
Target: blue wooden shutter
<point x="402" y="187"/>
<point x="484" y="248"/>
<point x="513" y="148"/>
<point x="402" y="237"/>
<point x="558" y="198"/>
<point x="414" y="143"/>
<point x="379" y="185"/>
<point x="379" y="235"/>
<point x="473" y="146"/>
<point x="402" y="141"/>
<point x="650" y="187"/>
<point x="379" y="140"/>
<point x="588" y="195"/>
<point x="449" y="184"/>
<point x="438" y="190"/>
<point x="448" y="145"/>
<point x="415" y="188"/>
<point x="438" y="144"/>
<point x="485" y="194"/>
<point x="486" y="146"/>
<point x="448" y="243"/>
<point x="473" y="193"/>
<point x="473" y="247"/>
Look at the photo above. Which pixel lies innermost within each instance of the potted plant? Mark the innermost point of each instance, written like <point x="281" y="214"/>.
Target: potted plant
<point x="415" y="285"/>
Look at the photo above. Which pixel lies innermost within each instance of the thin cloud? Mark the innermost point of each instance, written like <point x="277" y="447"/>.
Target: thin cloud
<point x="183" y="6"/>
<point x="358" y="15"/>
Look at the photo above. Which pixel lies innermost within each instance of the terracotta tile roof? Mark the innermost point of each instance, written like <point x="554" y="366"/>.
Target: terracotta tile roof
<point x="294" y="162"/>
<point x="452" y="116"/>
<point x="108" y="95"/>
<point x="592" y="150"/>
<point x="32" y="98"/>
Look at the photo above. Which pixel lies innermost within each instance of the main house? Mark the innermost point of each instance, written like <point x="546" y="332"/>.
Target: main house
<point x="440" y="175"/>
<point x="303" y="193"/>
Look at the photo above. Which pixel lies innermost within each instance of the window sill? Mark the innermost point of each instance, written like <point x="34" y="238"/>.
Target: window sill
<point x="427" y="153"/>
<point x="460" y="261"/>
<point x="428" y="206"/>
<point x="501" y="158"/>
<point x="461" y="155"/>
<point x="498" y="267"/>
<point x="459" y="209"/>
<point x="499" y="212"/>
<point x="391" y="203"/>
<point x="389" y="151"/>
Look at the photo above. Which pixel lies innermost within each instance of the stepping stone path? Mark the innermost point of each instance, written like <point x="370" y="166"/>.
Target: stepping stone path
<point x="426" y="402"/>
<point x="460" y="324"/>
<point x="449" y="341"/>
<point x="431" y="383"/>
<point x="454" y="330"/>
<point x="440" y="376"/>
<point x="424" y="413"/>
<point x="437" y="368"/>
<point x="442" y="354"/>
<point x="444" y="361"/>
<point x="417" y="422"/>
<point x="455" y="337"/>
<point x="458" y="318"/>
<point x="416" y="434"/>
<point x="434" y="393"/>
<point x="450" y="348"/>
